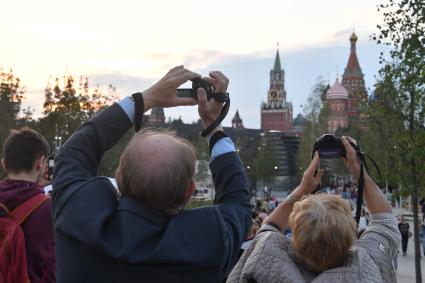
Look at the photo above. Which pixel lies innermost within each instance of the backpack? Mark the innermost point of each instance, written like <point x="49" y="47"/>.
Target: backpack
<point x="13" y="258"/>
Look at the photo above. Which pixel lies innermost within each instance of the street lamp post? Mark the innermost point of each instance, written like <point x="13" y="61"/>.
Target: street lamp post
<point x="274" y="178"/>
<point x="58" y="144"/>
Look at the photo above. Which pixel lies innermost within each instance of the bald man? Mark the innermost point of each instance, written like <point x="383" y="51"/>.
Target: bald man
<point x="143" y="233"/>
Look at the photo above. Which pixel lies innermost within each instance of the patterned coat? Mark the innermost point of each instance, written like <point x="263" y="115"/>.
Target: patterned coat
<point x="271" y="258"/>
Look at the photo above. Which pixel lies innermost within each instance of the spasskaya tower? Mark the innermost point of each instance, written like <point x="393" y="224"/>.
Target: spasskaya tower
<point x="276" y="113"/>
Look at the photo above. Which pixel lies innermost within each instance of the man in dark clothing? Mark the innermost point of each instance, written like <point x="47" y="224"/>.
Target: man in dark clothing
<point x="422" y="203"/>
<point x="404" y="231"/>
<point x="24" y="160"/>
<point x="143" y="233"/>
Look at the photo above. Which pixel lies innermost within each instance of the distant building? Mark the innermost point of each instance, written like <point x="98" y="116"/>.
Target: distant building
<point x="276" y="113"/>
<point x="300" y="124"/>
<point x="353" y="82"/>
<point x="156" y="118"/>
<point x="204" y="182"/>
<point x="344" y="98"/>
<point x="279" y="131"/>
<point x="237" y="121"/>
<point x="337" y="99"/>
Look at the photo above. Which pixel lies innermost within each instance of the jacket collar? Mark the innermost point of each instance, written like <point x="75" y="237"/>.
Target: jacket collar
<point x="143" y="210"/>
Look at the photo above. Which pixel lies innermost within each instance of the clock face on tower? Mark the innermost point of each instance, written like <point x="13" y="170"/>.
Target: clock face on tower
<point x="273" y="94"/>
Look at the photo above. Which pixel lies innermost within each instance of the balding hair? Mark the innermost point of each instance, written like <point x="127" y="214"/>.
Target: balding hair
<point x="157" y="168"/>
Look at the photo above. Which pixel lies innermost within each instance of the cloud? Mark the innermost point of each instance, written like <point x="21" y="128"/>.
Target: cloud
<point x="249" y="75"/>
<point x="125" y="84"/>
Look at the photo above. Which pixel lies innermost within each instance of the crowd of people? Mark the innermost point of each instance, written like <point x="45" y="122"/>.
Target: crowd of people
<point x="90" y="232"/>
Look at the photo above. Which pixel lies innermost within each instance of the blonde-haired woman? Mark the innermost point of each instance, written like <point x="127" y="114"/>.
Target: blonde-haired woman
<point x="323" y="247"/>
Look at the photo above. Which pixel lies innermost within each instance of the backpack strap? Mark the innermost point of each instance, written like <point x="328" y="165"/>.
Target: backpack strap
<point x="5" y="209"/>
<point x="22" y="211"/>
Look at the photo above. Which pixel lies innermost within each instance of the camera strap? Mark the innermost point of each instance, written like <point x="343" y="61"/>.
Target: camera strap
<point x="360" y="182"/>
<point x="223" y="98"/>
<point x="139" y="108"/>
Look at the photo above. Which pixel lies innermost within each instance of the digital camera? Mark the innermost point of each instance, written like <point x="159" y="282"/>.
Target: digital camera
<point x="330" y="147"/>
<point x="192" y="92"/>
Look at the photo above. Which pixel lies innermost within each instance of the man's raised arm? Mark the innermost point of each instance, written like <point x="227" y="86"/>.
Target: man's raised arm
<point x="231" y="184"/>
<point x="79" y="157"/>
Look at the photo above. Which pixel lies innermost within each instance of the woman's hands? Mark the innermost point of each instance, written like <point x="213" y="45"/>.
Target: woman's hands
<point x="351" y="159"/>
<point x="311" y="177"/>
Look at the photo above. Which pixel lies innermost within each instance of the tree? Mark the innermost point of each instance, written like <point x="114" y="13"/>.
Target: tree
<point x="11" y="94"/>
<point x="266" y="160"/>
<point x="316" y="113"/>
<point x="379" y="138"/>
<point x="67" y="107"/>
<point x="403" y="32"/>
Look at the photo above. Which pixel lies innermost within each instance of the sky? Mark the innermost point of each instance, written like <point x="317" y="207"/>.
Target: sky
<point x="132" y="44"/>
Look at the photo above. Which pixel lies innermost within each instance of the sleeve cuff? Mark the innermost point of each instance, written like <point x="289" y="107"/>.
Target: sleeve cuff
<point x="384" y="216"/>
<point x="269" y="227"/>
<point x="128" y="106"/>
<point x="222" y="146"/>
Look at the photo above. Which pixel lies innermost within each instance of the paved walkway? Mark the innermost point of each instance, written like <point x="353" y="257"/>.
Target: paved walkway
<point x="406" y="264"/>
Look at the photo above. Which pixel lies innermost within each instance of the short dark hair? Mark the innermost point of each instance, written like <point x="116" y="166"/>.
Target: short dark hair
<point x="165" y="188"/>
<point x="22" y="148"/>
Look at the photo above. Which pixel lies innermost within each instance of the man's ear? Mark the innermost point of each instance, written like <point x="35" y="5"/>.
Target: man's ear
<point x="40" y="163"/>
<point x="190" y="190"/>
<point x="3" y="164"/>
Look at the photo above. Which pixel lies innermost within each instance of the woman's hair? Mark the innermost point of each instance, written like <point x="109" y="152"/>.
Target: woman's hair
<point x="323" y="230"/>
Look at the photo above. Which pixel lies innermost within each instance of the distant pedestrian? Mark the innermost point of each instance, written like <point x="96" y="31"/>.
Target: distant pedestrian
<point x="262" y="215"/>
<point x="271" y="206"/>
<point x="422" y="236"/>
<point x="423" y="209"/>
<point x="404" y="231"/>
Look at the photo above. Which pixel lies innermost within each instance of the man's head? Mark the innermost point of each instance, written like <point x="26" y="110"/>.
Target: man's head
<point x="323" y="231"/>
<point x="25" y="152"/>
<point x="157" y="168"/>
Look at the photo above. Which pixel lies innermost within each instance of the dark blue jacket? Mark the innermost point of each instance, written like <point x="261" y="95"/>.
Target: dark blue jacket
<point x="101" y="237"/>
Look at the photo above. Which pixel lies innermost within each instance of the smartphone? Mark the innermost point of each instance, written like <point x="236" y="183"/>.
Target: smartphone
<point x="50" y="164"/>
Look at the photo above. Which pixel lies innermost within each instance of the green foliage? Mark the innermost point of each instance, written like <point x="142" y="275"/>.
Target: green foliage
<point x="66" y="107"/>
<point x="265" y="161"/>
<point x="316" y="112"/>
<point x="380" y="137"/>
<point x="399" y="110"/>
<point x="402" y="76"/>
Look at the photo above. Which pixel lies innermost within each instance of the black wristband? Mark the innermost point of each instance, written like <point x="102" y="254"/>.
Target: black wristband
<point x="273" y="225"/>
<point x="215" y="138"/>
<point x="139" y="109"/>
<point x="217" y="122"/>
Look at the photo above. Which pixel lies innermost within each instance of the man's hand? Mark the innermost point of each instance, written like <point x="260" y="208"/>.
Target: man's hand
<point x="311" y="177"/>
<point x="351" y="159"/>
<point x="210" y="110"/>
<point x="164" y="92"/>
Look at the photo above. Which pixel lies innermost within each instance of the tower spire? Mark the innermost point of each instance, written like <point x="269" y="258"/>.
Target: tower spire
<point x="353" y="41"/>
<point x="353" y="66"/>
<point x="277" y="66"/>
